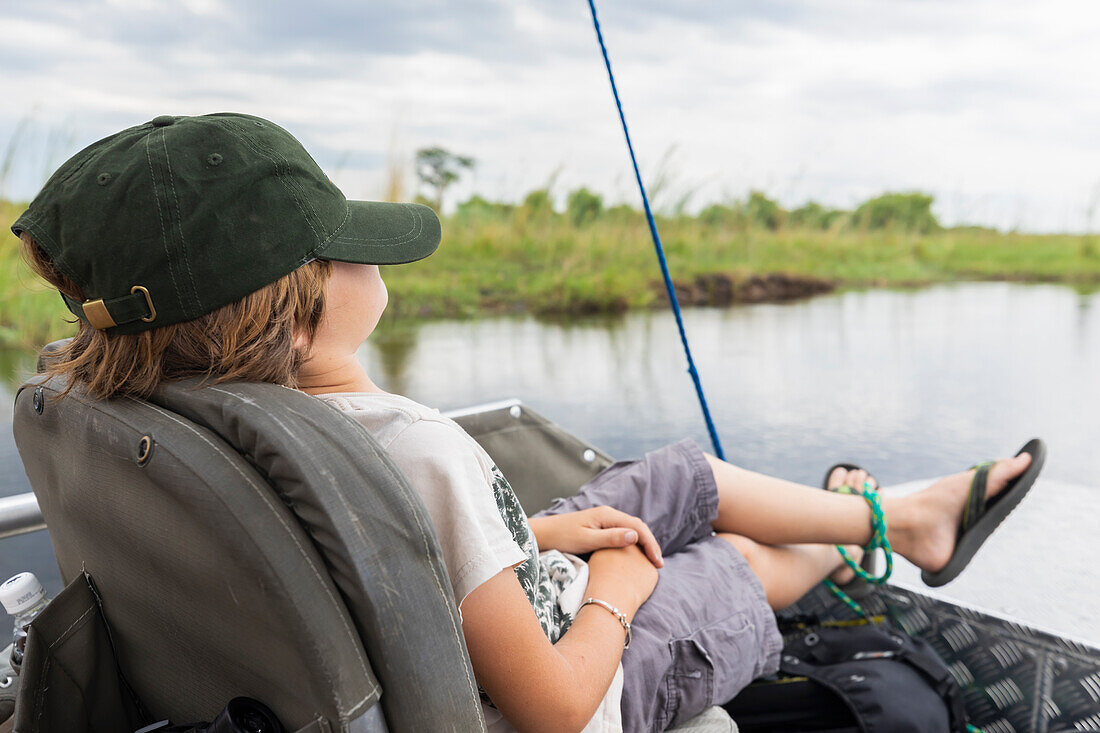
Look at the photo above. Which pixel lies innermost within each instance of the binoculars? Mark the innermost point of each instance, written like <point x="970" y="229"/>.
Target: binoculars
<point x="241" y="715"/>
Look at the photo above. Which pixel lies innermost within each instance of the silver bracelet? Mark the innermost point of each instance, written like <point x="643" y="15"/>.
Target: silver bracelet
<point x="618" y="614"/>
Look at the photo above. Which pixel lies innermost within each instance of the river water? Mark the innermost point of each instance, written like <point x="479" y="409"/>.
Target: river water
<point x="911" y="384"/>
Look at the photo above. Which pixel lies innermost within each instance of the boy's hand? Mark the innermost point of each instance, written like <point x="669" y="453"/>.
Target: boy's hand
<point x="595" y="529"/>
<point x="623" y="577"/>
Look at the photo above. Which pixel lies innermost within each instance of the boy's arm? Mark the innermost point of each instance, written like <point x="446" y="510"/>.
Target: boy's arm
<point x="539" y="686"/>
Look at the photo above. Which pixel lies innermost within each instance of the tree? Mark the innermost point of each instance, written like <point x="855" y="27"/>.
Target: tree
<point x="439" y="168"/>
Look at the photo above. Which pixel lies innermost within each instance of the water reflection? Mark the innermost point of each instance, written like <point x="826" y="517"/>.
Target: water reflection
<point x="912" y="383"/>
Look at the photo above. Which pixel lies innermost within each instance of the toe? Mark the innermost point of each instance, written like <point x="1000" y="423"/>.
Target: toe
<point x="1004" y="471"/>
<point x="856" y="479"/>
<point x="836" y="478"/>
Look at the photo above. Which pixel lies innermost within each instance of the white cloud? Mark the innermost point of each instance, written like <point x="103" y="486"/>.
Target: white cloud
<point x="990" y="104"/>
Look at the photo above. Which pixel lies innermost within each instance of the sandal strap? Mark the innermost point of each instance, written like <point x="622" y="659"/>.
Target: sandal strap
<point x="975" y="500"/>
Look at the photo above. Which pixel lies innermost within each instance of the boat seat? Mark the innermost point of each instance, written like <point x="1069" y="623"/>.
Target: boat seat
<point x="249" y="539"/>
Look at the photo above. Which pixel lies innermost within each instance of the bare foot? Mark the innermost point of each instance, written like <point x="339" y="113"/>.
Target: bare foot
<point x="851" y="479"/>
<point x="845" y="574"/>
<point x="926" y="537"/>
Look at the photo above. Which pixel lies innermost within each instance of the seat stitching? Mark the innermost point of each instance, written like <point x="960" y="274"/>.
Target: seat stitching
<point x="61" y="637"/>
<point x="328" y="591"/>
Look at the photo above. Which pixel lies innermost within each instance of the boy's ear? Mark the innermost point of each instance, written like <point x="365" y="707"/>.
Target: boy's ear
<point x="301" y="340"/>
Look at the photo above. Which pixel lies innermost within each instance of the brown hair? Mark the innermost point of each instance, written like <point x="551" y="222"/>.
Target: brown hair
<point x="250" y="339"/>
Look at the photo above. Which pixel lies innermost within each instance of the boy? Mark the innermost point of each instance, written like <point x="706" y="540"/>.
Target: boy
<point x="215" y="246"/>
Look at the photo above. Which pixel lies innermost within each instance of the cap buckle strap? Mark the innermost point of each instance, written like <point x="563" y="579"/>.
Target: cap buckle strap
<point x="103" y="314"/>
<point x="97" y="315"/>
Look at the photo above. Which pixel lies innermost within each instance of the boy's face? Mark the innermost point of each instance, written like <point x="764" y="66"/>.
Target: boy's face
<point x="355" y="300"/>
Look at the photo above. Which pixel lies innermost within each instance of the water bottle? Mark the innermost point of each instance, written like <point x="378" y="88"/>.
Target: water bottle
<point x="24" y="598"/>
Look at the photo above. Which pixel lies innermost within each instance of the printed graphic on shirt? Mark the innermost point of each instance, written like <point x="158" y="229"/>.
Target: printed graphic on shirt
<point x="542" y="582"/>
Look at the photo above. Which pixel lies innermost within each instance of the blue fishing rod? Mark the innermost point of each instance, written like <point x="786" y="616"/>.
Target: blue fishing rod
<point x="673" y="300"/>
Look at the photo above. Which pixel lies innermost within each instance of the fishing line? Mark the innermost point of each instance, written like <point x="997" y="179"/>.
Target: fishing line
<point x="673" y="300"/>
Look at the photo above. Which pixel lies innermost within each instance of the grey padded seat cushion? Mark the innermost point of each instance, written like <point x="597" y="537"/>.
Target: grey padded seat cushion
<point x="328" y="547"/>
<point x="373" y="532"/>
<point x="215" y="587"/>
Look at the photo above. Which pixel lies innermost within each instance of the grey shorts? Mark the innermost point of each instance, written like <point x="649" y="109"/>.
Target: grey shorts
<point x="707" y="630"/>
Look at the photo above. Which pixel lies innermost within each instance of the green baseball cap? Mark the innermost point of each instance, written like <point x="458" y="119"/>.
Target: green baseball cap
<point x="168" y="220"/>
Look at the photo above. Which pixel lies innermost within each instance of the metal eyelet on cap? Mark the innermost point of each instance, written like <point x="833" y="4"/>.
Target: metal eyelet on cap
<point x="148" y="301"/>
<point x="103" y="179"/>
<point x="38" y="400"/>
<point x="145" y="449"/>
<point x="214" y="158"/>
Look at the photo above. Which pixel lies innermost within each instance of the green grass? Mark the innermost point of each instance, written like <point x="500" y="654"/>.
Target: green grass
<point x="31" y="313"/>
<point x="514" y="262"/>
<point x="551" y="267"/>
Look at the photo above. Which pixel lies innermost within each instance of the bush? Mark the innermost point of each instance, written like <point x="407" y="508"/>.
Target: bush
<point x="538" y="204"/>
<point x="719" y="215"/>
<point x="479" y="208"/>
<point x="813" y="215"/>
<point x="762" y="211"/>
<point x="623" y="214"/>
<point x="907" y="211"/>
<point x="583" y="207"/>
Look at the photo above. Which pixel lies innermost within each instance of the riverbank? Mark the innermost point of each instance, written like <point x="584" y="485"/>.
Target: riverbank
<point x="548" y="266"/>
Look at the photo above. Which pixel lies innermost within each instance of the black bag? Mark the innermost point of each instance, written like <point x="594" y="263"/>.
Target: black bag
<point x="852" y="676"/>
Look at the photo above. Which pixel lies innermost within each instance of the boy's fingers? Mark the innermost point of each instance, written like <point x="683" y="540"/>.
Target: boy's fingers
<point x="648" y="542"/>
<point x="646" y="539"/>
<point x="615" y="537"/>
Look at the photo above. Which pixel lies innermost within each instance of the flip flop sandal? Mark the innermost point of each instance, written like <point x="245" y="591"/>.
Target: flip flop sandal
<point x="857" y="587"/>
<point x="981" y="517"/>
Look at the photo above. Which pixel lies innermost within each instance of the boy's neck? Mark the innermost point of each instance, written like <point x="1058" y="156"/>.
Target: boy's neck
<point x="328" y="375"/>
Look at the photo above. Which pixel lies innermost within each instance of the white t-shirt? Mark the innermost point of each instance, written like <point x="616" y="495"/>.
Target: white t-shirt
<point x="479" y="522"/>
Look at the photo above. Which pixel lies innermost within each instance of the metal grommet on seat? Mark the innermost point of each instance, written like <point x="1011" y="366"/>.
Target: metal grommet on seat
<point x="38" y="400"/>
<point x="811" y="639"/>
<point x="6" y="682"/>
<point x="145" y="448"/>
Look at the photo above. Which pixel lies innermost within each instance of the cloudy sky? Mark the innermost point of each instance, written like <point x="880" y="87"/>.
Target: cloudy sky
<point x="991" y="105"/>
